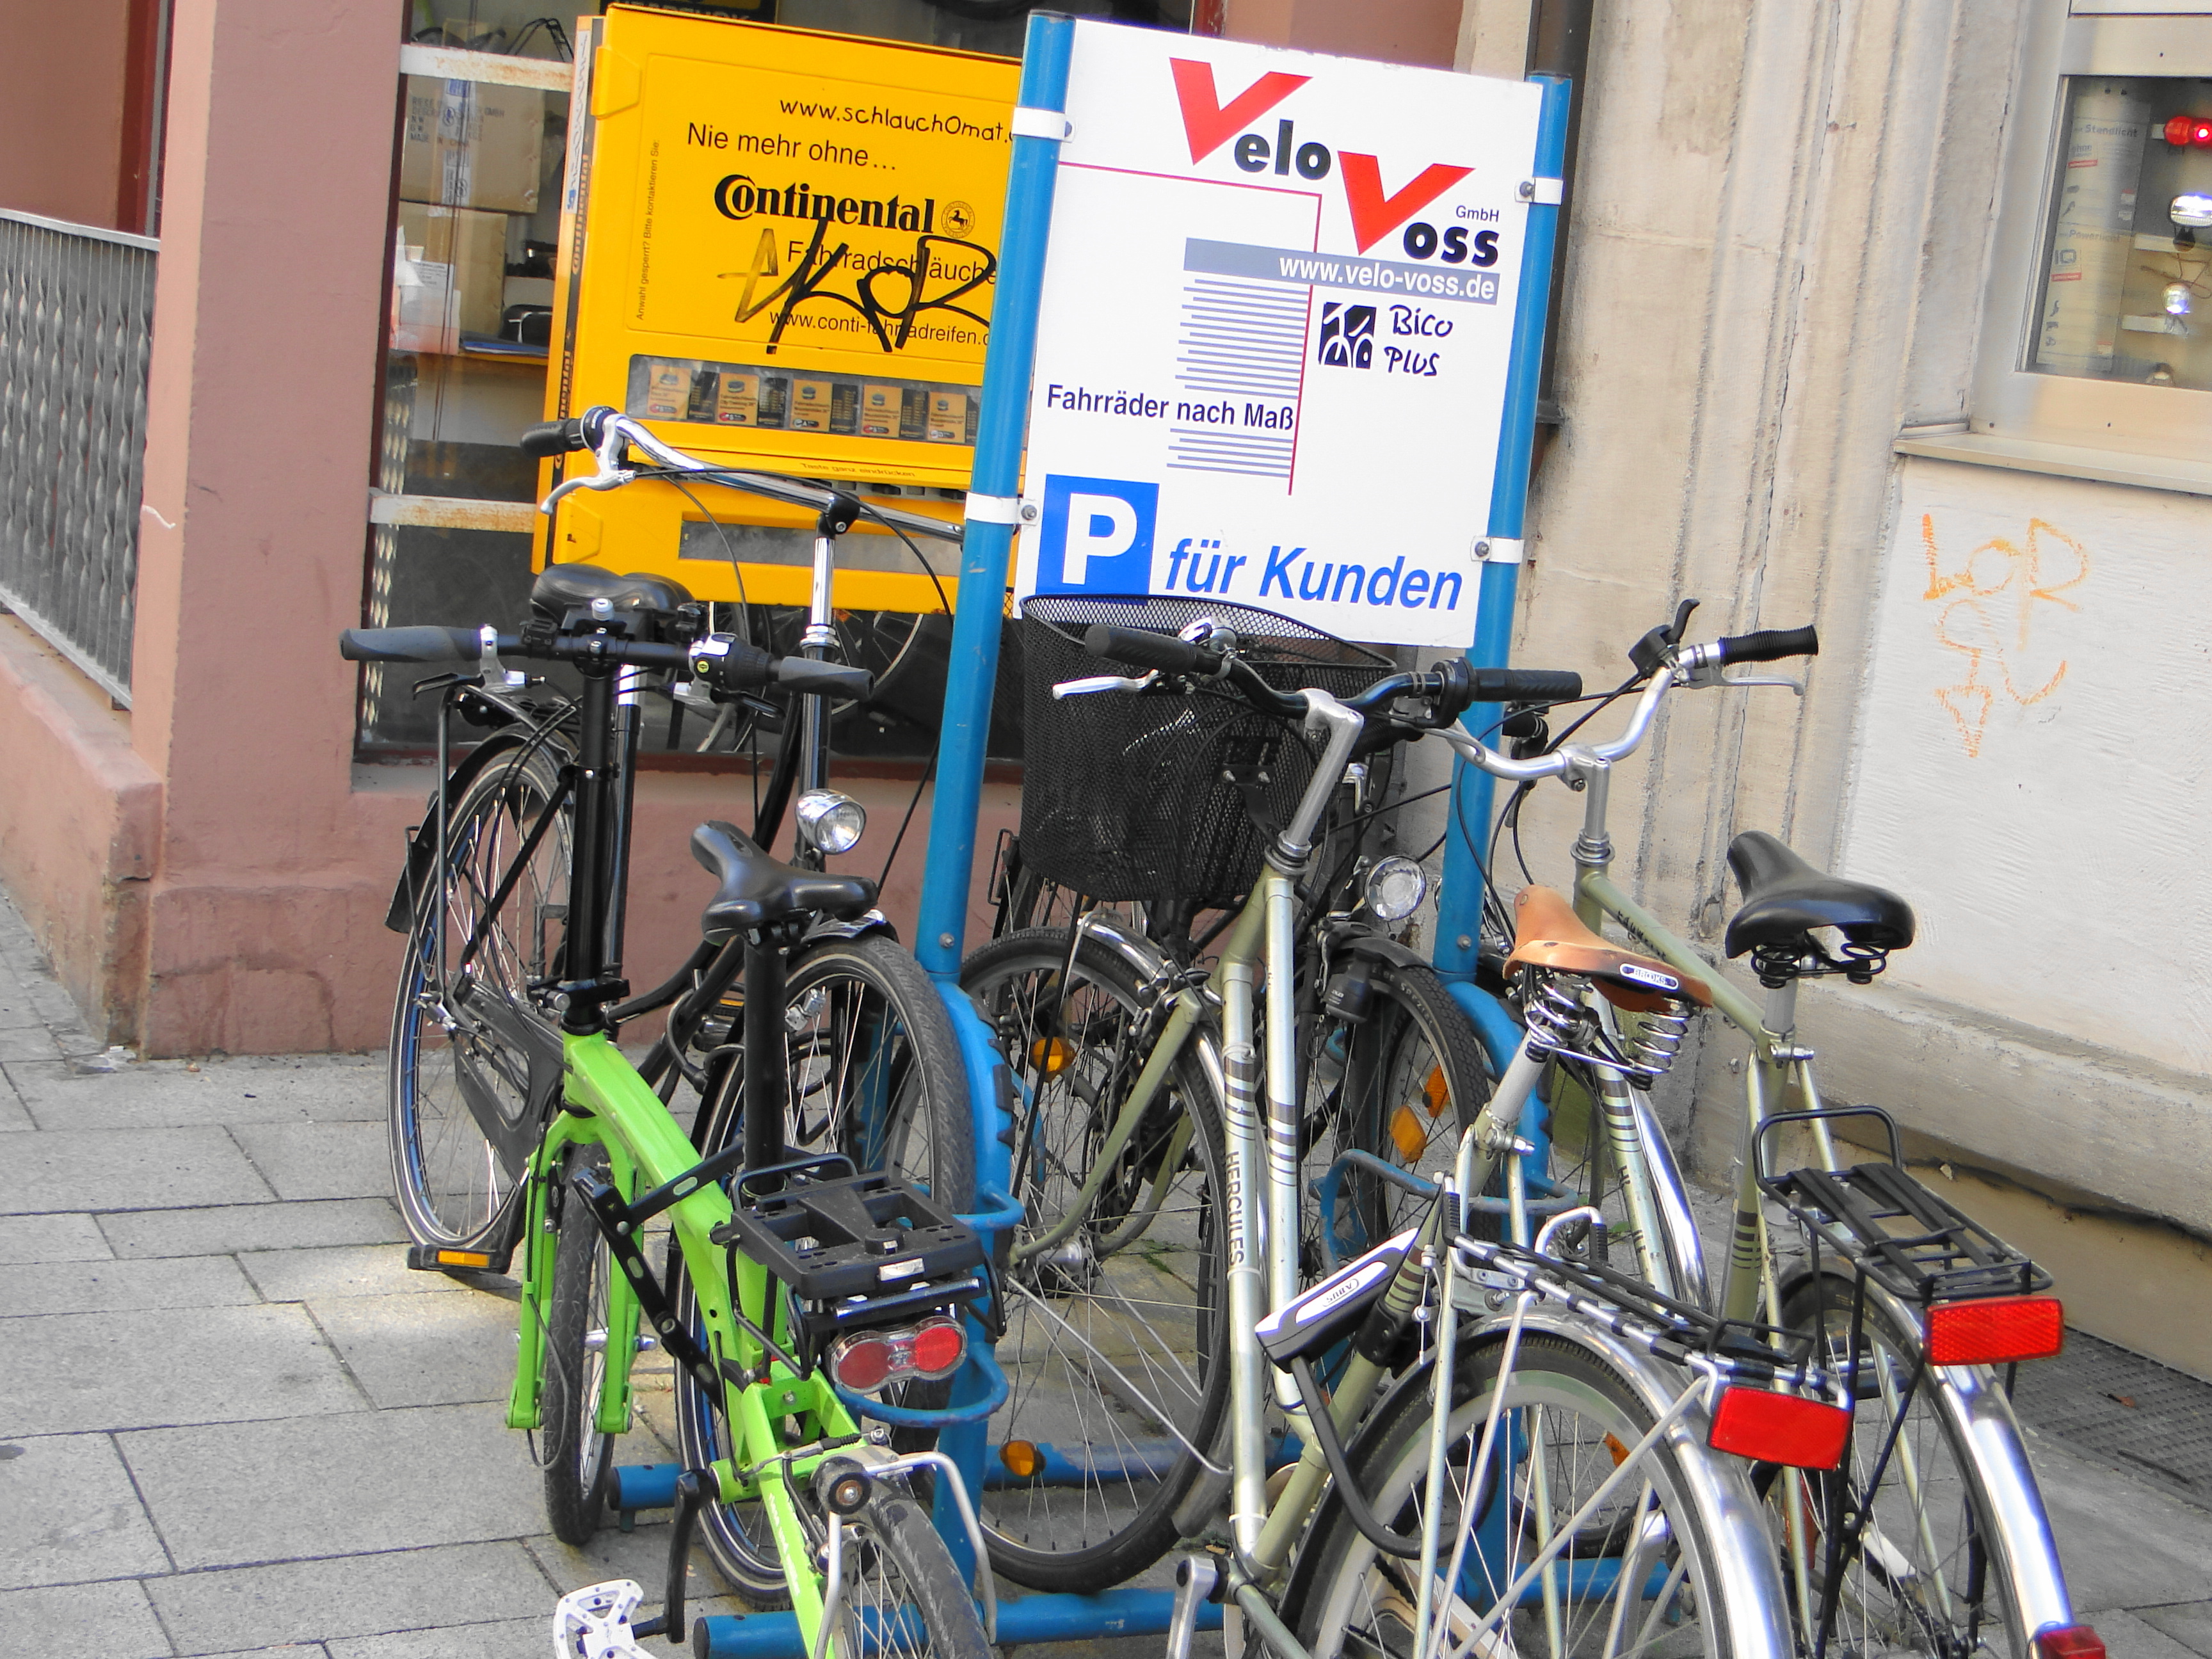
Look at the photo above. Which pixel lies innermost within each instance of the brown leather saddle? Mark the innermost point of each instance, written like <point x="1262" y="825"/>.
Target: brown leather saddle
<point x="1547" y="933"/>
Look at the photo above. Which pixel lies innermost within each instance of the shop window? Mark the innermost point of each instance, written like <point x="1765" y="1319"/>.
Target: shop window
<point x="2097" y="335"/>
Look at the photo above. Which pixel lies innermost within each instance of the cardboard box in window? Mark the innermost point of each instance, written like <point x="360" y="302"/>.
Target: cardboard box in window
<point x="473" y="144"/>
<point x="448" y="273"/>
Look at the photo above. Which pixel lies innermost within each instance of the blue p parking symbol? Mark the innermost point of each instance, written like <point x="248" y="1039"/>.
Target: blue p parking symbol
<point x="1096" y="535"/>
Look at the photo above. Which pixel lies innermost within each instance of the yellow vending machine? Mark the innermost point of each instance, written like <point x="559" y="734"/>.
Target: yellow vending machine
<point x="779" y="247"/>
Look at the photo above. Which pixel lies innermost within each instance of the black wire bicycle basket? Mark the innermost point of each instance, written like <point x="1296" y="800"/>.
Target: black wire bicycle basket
<point x="1127" y="795"/>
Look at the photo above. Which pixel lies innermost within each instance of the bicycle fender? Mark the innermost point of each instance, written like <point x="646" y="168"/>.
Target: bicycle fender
<point x="871" y="921"/>
<point x="422" y="847"/>
<point x="1377" y="947"/>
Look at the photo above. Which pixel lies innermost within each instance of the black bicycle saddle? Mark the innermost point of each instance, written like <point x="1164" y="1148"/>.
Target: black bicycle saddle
<point x="757" y="889"/>
<point x="1784" y="896"/>
<point x="561" y="588"/>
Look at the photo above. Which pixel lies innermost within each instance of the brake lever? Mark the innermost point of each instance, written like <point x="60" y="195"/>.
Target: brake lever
<point x="1798" y="686"/>
<point x="1701" y="672"/>
<point x="1084" y="688"/>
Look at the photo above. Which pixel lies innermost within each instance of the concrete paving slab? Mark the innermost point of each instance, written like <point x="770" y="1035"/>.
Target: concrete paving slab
<point x="341" y="1270"/>
<point x="16" y="1013"/>
<point x="287" y="1650"/>
<point x="2124" y="1543"/>
<point x="184" y="1281"/>
<point x="69" y="1514"/>
<point x="320" y="1160"/>
<point x="50" y="1238"/>
<point x="416" y="1351"/>
<point x="225" y="1227"/>
<point x="517" y="1638"/>
<point x="243" y="1494"/>
<point x="128" y="1169"/>
<point x="64" y="1373"/>
<point x="350" y="1595"/>
<point x="2189" y="1623"/>
<point x="642" y="1555"/>
<point x="279" y="1089"/>
<point x="2128" y="1637"/>
<point x="111" y="1620"/>
<point x="14" y="1115"/>
<point x="28" y="1043"/>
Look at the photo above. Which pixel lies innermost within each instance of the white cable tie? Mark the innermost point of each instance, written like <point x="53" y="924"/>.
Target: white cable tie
<point x="1499" y="550"/>
<point x="994" y="509"/>
<point x="1049" y="123"/>
<point x="1541" y="192"/>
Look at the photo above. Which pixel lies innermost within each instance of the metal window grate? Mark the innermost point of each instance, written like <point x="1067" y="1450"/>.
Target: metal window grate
<point x="76" y="315"/>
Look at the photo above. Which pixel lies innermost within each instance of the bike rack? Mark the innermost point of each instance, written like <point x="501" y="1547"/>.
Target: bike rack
<point x="941" y="927"/>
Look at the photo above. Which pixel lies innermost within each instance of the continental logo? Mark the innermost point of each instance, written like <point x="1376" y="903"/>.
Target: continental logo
<point x="739" y="197"/>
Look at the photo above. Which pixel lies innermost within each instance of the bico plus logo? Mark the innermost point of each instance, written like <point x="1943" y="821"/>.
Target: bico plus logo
<point x="1347" y="336"/>
<point x="1096" y="535"/>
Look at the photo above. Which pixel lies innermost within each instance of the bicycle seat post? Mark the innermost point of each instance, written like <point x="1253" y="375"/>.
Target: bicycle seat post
<point x="766" y="1047"/>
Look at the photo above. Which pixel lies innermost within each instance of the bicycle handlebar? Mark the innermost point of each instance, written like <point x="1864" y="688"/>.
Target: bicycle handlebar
<point x="1770" y="645"/>
<point x="410" y="645"/>
<point x="725" y="662"/>
<point x="611" y="433"/>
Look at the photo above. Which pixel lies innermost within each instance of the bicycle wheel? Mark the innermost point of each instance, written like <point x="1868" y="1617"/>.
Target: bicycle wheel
<point x="873" y="1072"/>
<point x="737" y="1535"/>
<point x="1925" y="1578"/>
<point x="573" y="1366"/>
<point x="1401" y="1082"/>
<point x="902" y="1593"/>
<point x="1116" y="1344"/>
<point x="469" y="1047"/>
<point x="1570" y="1423"/>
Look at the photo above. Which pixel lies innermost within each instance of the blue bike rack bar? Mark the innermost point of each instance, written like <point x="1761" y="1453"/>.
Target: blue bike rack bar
<point x="1032" y="1619"/>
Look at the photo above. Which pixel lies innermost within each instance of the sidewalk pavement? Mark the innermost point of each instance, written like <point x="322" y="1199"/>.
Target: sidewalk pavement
<point x="232" y="1423"/>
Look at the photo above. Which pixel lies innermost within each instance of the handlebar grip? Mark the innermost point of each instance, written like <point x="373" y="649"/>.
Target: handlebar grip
<point x="410" y="645"/>
<point x="1525" y="685"/>
<point x="833" y="679"/>
<point x="551" y="438"/>
<point x="1141" y="648"/>
<point x="1770" y="645"/>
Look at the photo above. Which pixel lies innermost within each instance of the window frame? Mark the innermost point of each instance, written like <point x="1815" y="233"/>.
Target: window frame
<point x="2011" y="403"/>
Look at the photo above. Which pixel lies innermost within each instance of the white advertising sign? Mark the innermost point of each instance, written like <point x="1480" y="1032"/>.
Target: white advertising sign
<point x="1276" y="316"/>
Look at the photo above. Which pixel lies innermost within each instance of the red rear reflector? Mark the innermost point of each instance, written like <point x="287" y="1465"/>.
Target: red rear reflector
<point x="861" y="1363"/>
<point x="1995" y="1331"/>
<point x="1779" y="1428"/>
<point x="2067" y="1642"/>
<point x="938" y="1349"/>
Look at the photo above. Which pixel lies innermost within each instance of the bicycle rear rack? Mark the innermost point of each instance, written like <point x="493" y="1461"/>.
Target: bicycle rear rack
<point x="1912" y="1241"/>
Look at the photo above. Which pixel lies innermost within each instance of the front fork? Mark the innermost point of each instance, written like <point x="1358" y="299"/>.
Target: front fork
<point x="545" y="1206"/>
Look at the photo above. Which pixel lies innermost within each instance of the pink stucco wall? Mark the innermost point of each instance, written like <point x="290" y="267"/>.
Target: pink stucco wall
<point x="211" y="871"/>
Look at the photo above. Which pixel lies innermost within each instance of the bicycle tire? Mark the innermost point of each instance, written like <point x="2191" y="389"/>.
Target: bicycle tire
<point x="1347" y="1598"/>
<point x="1106" y="1509"/>
<point x="903" y="1594"/>
<point x="476" y="1032"/>
<point x="572" y="1370"/>
<point x="842" y="995"/>
<point x="1409" y="1077"/>
<point x="1909" y="1587"/>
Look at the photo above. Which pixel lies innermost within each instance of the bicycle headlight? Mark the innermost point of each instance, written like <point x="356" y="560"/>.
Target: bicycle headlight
<point x="830" y="822"/>
<point x="1395" y="888"/>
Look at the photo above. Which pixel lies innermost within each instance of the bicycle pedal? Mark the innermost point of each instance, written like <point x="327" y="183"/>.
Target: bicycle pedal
<point x="440" y="1259"/>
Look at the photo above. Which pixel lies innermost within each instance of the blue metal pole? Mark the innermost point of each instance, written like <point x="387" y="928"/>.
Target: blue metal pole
<point x="978" y="612"/>
<point x="1459" y="900"/>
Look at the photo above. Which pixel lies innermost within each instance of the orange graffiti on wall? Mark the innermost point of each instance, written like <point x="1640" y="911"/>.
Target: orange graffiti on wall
<point x="2002" y="591"/>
